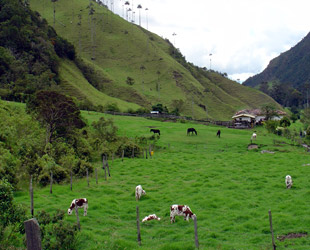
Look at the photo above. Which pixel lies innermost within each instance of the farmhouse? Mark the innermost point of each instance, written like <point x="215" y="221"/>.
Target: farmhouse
<point x="247" y="117"/>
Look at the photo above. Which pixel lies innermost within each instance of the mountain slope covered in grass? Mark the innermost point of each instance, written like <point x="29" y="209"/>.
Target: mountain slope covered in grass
<point x="111" y="50"/>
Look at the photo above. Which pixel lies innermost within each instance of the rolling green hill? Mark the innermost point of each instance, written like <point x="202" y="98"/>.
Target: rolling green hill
<point x="113" y="49"/>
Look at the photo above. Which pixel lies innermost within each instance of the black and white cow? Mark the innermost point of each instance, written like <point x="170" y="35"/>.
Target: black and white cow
<point x="288" y="181"/>
<point x="81" y="203"/>
<point x="139" y="192"/>
<point x="181" y="210"/>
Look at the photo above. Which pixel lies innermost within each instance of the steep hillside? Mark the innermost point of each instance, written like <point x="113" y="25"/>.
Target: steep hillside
<point x="291" y="67"/>
<point x="116" y="50"/>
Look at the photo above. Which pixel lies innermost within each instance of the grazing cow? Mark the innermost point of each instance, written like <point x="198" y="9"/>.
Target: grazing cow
<point x="253" y="137"/>
<point x="218" y="133"/>
<point x="81" y="203"/>
<point x="150" y="217"/>
<point x="288" y="181"/>
<point x="139" y="192"/>
<point x="191" y="130"/>
<point x="155" y="131"/>
<point x="181" y="210"/>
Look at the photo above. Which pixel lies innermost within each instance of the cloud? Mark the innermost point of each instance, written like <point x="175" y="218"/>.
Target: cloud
<point x="242" y="35"/>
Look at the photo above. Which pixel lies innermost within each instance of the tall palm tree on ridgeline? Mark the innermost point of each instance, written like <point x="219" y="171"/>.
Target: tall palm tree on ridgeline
<point x="139" y="7"/>
<point x="127" y="3"/>
<point x="54" y="10"/>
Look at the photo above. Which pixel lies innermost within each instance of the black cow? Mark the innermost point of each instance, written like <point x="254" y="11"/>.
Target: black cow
<point x="191" y="130"/>
<point x="155" y="131"/>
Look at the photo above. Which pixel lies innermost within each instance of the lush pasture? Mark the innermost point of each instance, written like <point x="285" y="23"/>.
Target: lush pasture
<point x="229" y="188"/>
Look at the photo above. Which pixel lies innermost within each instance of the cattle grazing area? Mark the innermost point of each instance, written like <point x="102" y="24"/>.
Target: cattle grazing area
<point x="229" y="188"/>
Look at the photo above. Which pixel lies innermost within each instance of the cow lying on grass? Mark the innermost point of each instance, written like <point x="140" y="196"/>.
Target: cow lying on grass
<point x="181" y="210"/>
<point x="139" y="192"/>
<point x="288" y="181"/>
<point x="150" y="217"/>
<point x="81" y="203"/>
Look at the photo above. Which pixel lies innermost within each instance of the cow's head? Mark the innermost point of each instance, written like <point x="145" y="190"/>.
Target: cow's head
<point x="69" y="211"/>
<point x="143" y="192"/>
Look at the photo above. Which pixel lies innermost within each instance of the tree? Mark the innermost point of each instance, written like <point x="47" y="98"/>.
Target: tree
<point x="142" y="68"/>
<point x="139" y="7"/>
<point x="12" y="216"/>
<point x="130" y="81"/>
<point x="54" y="12"/>
<point x="269" y="111"/>
<point x="57" y="112"/>
<point x="285" y="122"/>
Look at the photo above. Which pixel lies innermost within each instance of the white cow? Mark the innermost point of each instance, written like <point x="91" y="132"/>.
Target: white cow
<point x="181" y="210"/>
<point x="150" y="217"/>
<point x="288" y="181"/>
<point x="139" y="192"/>
<point x="253" y="137"/>
<point x="81" y="203"/>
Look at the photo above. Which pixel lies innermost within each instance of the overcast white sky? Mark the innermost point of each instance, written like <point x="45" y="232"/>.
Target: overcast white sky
<point x="242" y="35"/>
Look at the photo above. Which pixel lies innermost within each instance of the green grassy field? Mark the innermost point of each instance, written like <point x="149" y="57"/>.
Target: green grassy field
<point x="229" y="188"/>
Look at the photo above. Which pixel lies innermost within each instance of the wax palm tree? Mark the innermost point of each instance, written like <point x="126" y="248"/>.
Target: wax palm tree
<point x="142" y="68"/>
<point x="91" y="13"/>
<point x="54" y="12"/>
<point x="147" y="21"/>
<point x="127" y="3"/>
<point x="80" y="24"/>
<point x="139" y="7"/>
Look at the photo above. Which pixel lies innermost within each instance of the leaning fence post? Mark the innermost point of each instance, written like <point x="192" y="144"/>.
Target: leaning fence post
<point x="33" y="234"/>
<point x="96" y="175"/>
<point x="123" y="155"/>
<point x="71" y="179"/>
<point x="87" y="177"/>
<point x="107" y="165"/>
<point x="196" y="233"/>
<point x="271" y="230"/>
<point x="31" y="196"/>
<point x="51" y="183"/>
<point x="104" y="167"/>
<point x="77" y="215"/>
<point x="138" y="226"/>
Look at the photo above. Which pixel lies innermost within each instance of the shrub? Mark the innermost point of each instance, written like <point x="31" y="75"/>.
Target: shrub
<point x="271" y="126"/>
<point x="285" y="122"/>
<point x="80" y="168"/>
<point x="55" y="233"/>
<point x="111" y="107"/>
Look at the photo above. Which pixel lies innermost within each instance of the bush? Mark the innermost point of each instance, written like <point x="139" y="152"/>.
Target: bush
<point x="111" y="107"/>
<point x="271" y="126"/>
<point x="55" y="233"/>
<point x="128" y="147"/>
<point x="285" y="122"/>
<point x="80" y="168"/>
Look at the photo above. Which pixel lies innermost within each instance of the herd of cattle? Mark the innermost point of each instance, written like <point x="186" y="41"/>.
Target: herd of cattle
<point x="175" y="210"/>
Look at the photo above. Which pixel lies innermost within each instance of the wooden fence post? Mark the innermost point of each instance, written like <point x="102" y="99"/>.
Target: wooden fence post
<point x="33" y="234"/>
<point x="104" y="167"/>
<point x="271" y="230"/>
<point x="87" y="177"/>
<point x="138" y="226"/>
<point x="123" y="155"/>
<point x="133" y="153"/>
<point x="107" y="165"/>
<point x="71" y="179"/>
<point x="196" y="233"/>
<point x="96" y="170"/>
<point x="146" y="153"/>
<point x="51" y="183"/>
<point x="77" y="216"/>
<point x="31" y="196"/>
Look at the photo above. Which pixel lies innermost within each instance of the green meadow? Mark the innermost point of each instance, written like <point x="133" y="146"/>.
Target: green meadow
<point x="229" y="188"/>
